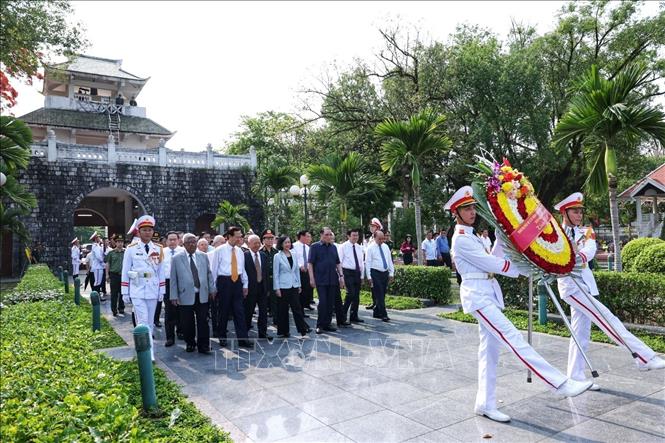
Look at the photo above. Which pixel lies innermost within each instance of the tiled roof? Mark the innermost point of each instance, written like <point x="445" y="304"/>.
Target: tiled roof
<point x="656" y="176"/>
<point x="97" y="66"/>
<point x="89" y="120"/>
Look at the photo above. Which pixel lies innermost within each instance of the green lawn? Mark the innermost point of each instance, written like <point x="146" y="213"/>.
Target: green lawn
<point x="520" y="320"/>
<point x="393" y="301"/>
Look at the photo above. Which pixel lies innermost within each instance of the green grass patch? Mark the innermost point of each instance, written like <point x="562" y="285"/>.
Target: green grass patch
<point x="520" y="320"/>
<point x="396" y="302"/>
<point x="56" y="388"/>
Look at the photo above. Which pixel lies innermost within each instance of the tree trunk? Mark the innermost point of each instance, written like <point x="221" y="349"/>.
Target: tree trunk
<point x="419" y="230"/>
<point x="405" y="200"/>
<point x="614" y="218"/>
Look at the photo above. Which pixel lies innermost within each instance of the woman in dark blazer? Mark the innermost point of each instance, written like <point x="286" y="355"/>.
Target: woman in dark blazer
<point x="286" y="283"/>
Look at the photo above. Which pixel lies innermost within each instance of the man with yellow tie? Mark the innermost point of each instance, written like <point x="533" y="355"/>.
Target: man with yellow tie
<point x="228" y="266"/>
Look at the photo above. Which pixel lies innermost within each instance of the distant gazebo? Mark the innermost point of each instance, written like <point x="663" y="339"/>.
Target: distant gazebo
<point x="648" y="191"/>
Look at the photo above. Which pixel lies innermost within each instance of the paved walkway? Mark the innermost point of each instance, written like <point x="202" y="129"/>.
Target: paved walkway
<point x="413" y="379"/>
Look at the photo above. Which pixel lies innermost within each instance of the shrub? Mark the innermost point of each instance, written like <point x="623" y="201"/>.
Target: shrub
<point x="633" y="248"/>
<point x="37" y="284"/>
<point x="651" y="259"/>
<point x="423" y="282"/>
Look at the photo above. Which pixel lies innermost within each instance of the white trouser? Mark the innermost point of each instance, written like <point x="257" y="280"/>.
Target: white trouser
<point x="99" y="274"/>
<point x="75" y="269"/>
<point x="496" y="330"/>
<point x="144" y="311"/>
<point x="583" y="312"/>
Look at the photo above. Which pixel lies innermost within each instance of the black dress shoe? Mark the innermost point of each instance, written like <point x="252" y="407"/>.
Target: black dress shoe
<point x="205" y="351"/>
<point x="190" y="348"/>
<point x="368" y="307"/>
<point x="181" y="336"/>
<point x="330" y="329"/>
<point x="386" y="319"/>
<point x="319" y="331"/>
<point x="169" y="343"/>
<point x="222" y="343"/>
<point x="357" y="320"/>
<point x="309" y="330"/>
<point x="344" y="324"/>
<point x="305" y="315"/>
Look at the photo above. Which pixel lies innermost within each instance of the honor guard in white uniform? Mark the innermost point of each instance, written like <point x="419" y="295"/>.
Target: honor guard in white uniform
<point x="134" y="232"/>
<point x="481" y="297"/>
<point x="584" y="309"/>
<point x="142" y="281"/>
<point x="96" y="261"/>
<point x="76" y="257"/>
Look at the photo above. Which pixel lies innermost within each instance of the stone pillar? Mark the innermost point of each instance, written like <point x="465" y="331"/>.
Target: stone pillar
<point x="110" y="144"/>
<point x="252" y="156"/>
<point x="638" y="207"/>
<point x="210" y="157"/>
<point x="52" y="154"/>
<point x="162" y="152"/>
<point x="129" y="213"/>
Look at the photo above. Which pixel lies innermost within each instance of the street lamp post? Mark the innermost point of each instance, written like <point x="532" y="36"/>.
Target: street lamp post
<point x="296" y="191"/>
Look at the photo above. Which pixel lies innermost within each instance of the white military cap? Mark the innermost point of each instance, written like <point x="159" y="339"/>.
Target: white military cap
<point x="375" y="222"/>
<point x="574" y="200"/>
<point x="132" y="229"/>
<point x="74" y="241"/>
<point x="462" y="197"/>
<point x="92" y="237"/>
<point x="145" y="221"/>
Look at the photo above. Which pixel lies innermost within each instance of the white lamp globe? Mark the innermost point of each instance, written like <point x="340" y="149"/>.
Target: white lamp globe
<point x="3" y="179"/>
<point x="304" y="180"/>
<point x="294" y="190"/>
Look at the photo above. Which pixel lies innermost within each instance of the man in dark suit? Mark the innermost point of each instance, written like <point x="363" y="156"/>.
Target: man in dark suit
<point x="256" y="266"/>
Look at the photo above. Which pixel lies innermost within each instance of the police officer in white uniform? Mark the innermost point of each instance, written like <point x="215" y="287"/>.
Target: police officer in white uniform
<point x="96" y="261"/>
<point x="143" y="282"/>
<point x="584" y="310"/>
<point x="76" y="257"/>
<point x="481" y="297"/>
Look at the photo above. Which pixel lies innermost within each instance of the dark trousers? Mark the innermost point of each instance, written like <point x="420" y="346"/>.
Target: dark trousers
<point x="158" y="312"/>
<point x="327" y="295"/>
<point x="407" y="258"/>
<point x="214" y="315"/>
<point x="258" y="297"/>
<point x="340" y="315"/>
<point x="290" y="298"/>
<point x="307" y="293"/>
<point x="117" y="305"/>
<point x="379" y="288"/>
<point x="171" y="314"/>
<point x="102" y="285"/>
<point x="231" y="301"/>
<point x="199" y="334"/>
<point x="446" y="259"/>
<point x="432" y="263"/>
<point x="352" y="300"/>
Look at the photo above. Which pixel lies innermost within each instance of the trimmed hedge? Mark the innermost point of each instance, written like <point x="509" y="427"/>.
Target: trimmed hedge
<point x="56" y="388"/>
<point x="631" y="296"/>
<point x="422" y="282"/>
<point x="633" y="249"/>
<point x="651" y="259"/>
<point x="37" y="284"/>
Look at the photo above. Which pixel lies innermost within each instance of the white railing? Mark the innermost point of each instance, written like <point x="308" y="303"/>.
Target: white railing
<point x="160" y="156"/>
<point x="95" y="104"/>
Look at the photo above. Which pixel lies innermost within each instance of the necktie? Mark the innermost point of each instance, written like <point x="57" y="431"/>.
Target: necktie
<point x="147" y="249"/>
<point x="172" y="252"/>
<point x="304" y="254"/>
<point x="355" y="257"/>
<point x="257" y="265"/>
<point x="234" y="265"/>
<point x="383" y="258"/>
<point x="195" y="272"/>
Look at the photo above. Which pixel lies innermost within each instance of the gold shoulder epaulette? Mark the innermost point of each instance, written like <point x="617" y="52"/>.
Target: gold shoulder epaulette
<point x="131" y="244"/>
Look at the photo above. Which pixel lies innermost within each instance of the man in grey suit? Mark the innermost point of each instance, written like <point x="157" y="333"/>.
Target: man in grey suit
<point x="192" y="285"/>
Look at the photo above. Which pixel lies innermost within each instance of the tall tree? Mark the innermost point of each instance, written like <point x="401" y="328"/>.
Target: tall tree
<point x="410" y="144"/>
<point x="229" y="214"/>
<point x="272" y="179"/>
<point x="603" y="114"/>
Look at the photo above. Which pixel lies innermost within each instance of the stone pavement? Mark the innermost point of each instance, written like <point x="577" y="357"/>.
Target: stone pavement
<point x="413" y="379"/>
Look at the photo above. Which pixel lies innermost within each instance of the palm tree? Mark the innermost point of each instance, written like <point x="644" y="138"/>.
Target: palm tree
<point x="407" y="146"/>
<point x="15" y="139"/>
<point x="230" y="214"/>
<point x="344" y="178"/>
<point x="272" y="179"/>
<point x="603" y="113"/>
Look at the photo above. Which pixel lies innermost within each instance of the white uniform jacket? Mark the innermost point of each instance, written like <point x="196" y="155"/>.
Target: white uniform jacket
<point x="479" y="288"/>
<point x="96" y="260"/>
<point x="76" y="255"/>
<point x="143" y="273"/>
<point x="585" y="246"/>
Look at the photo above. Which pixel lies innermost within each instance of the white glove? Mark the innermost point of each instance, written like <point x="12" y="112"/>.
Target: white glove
<point x="126" y="300"/>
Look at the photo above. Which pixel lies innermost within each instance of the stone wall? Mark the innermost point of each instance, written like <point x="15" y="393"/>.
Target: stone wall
<point x="175" y="196"/>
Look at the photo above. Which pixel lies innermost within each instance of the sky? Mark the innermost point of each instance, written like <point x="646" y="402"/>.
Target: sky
<point x="210" y="63"/>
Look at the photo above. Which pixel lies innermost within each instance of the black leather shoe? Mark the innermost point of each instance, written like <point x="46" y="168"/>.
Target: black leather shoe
<point x="319" y="331"/>
<point x="344" y="324"/>
<point x="309" y="330"/>
<point x="357" y="320"/>
<point x="182" y="336"/>
<point x="386" y="319"/>
<point x="369" y="307"/>
<point x="169" y="343"/>
<point x="305" y="315"/>
<point x="205" y="351"/>
<point x="190" y="348"/>
<point x="330" y="329"/>
<point x="222" y="343"/>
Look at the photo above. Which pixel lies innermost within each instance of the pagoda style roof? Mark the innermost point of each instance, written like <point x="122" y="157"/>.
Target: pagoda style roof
<point x="95" y="121"/>
<point x="654" y="180"/>
<point x="86" y="64"/>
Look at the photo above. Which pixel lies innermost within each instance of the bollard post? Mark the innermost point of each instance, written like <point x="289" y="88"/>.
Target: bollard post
<point x="96" y="322"/>
<point x="60" y="272"/>
<point x="542" y="304"/>
<point x="142" y="345"/>
<point x="65" y="278"/>
<point x="77" y="291"/>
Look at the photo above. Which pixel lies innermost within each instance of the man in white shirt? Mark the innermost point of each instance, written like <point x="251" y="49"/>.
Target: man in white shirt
<point x="353" y="268"/>
<point x="301" y="253"/>
<point x="213" y="304"/>
<point x="228" y="268"/>
<point x="429" y="249"/>
<point x="379" y="270"/>
<point x="487" y="242"/>
<point x="170" y="310"/>
<point x="76" y="257"/>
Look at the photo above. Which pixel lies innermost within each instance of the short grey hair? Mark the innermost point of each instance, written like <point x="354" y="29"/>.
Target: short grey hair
<point x="188" y="236"/>
<point x="252" y="237"/>
<point x="217" y="239"/>
<point x="201" y="240"/>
